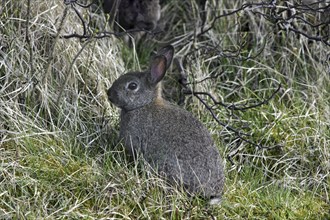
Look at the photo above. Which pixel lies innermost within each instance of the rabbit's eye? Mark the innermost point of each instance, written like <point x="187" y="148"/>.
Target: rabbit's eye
<point x="132" y="86"/>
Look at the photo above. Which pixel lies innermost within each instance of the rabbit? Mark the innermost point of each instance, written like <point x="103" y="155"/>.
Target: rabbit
<point x="134" y="14"/>
<point x="168" y="137"/>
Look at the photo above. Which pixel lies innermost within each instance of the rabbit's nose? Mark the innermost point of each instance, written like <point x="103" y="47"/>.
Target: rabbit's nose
<point x="111" y="94"/>
<point x="146" y="25"/>
<point x="150" y="25"/>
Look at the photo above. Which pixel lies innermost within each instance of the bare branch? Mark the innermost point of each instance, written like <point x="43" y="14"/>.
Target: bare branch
<point x="239" y="134"/>
<point x="27" y="35"/>
<point x="69" y="71"/>
<point x="106" y="34"/>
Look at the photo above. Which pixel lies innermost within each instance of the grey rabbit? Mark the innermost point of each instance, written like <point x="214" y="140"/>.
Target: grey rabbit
<point x="134" y="14"/>
<point x="169" y="138"/>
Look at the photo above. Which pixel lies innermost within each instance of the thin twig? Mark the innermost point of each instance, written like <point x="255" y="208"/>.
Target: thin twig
<point x="27" y="36"/>
<point x="69" y="71"/>
<point x="233" y="107"/>
<point x="51" y="57"/>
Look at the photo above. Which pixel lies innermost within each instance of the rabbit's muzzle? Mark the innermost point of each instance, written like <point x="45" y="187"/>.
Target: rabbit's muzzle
<point x="112" y="95"/>
<point x="149" y="26"/>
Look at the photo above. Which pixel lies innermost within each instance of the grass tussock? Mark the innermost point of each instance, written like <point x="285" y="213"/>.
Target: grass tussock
<point x="59" y="152"/>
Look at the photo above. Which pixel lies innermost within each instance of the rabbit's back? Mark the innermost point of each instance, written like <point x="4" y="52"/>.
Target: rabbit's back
<point x="176" y="143"/>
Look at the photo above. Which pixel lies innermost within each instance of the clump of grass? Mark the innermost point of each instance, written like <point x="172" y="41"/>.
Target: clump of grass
<point x="257" y="197"/>
<point x="59" y="151"/>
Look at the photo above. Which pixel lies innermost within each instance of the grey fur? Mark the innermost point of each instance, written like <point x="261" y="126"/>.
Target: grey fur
<point x="134" y="14"/>
<point x="169" y="138"/>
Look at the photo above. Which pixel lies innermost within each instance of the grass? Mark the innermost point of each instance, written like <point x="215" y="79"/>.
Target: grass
<point x="59" y="152"/>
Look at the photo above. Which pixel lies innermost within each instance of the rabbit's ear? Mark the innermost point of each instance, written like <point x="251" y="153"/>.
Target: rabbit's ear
<point x="168" y="52"/>
<point x="157" y="69"/>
